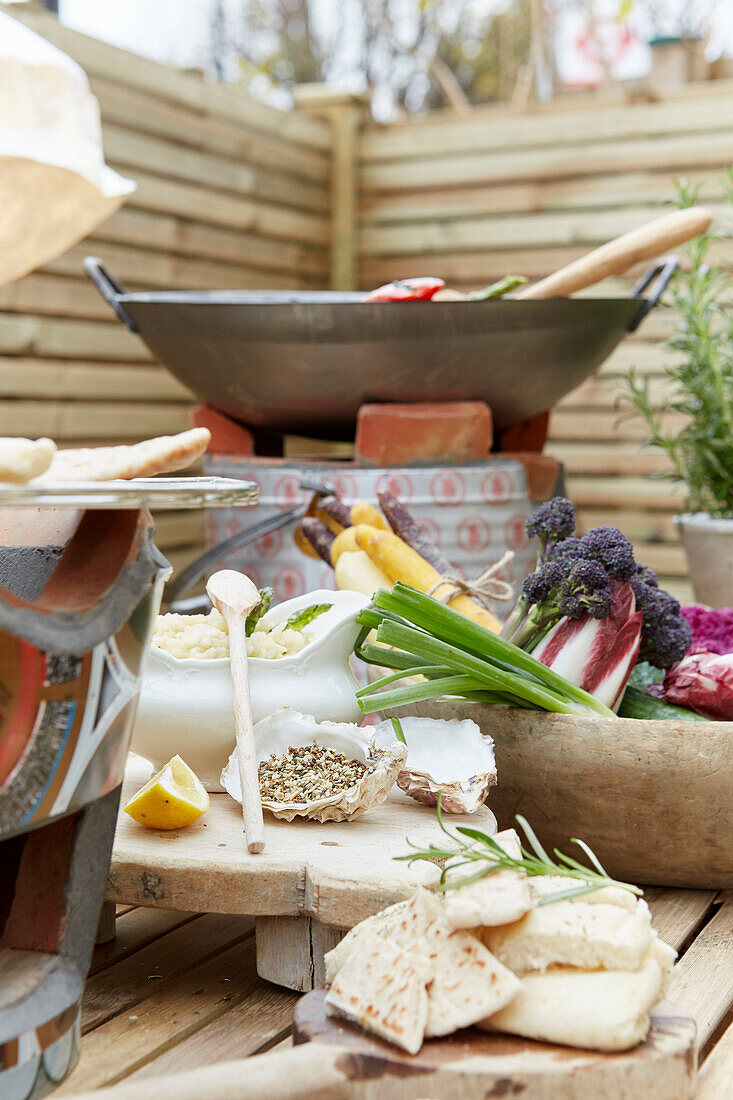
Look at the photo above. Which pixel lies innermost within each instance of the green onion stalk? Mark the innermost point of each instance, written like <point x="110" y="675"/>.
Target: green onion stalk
<point x="419" y="636"/>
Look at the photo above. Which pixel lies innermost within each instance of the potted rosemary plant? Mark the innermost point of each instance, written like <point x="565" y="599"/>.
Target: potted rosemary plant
<point x="699" y="441"/>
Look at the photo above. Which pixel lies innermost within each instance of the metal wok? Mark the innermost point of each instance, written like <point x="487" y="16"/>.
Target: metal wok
<point x="304" y="362"/>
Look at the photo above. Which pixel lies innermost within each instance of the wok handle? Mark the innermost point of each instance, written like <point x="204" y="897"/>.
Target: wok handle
<point x="660" y="273"/>
<point x="615" y="258"/>
<point x="110" y="288"/>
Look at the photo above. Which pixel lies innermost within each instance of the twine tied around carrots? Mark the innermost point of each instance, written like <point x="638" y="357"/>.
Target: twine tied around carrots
<point x="486" y="587"/>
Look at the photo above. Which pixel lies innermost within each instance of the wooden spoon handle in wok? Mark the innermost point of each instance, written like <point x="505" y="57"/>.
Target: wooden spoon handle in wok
<point x="616" y="257"/>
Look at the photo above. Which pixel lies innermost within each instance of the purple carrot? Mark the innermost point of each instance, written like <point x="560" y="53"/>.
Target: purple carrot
<point x="336" y="509"/>
<point x="319" y="536"/>
<point x="408" y="529"/>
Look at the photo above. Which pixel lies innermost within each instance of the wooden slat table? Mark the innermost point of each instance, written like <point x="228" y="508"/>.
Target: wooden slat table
<point x="178" y="991"/>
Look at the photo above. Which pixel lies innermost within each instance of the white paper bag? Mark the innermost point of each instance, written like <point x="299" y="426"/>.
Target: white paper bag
<point x="54" y="185"/>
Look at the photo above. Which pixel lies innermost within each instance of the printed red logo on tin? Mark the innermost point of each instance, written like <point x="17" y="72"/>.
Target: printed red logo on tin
<point x="342" y="485"/>
<point x="431" y="529"/>
<point x="497" y="487"/>
<point x="399" y="485"/>
<point x="288" y="583"/>
<point x="448" y="487"/>
<point x="473" y="535"/>
<point x="270" y="545"/>
<point x="514" y="533"/>
<point x="288" y="492"/>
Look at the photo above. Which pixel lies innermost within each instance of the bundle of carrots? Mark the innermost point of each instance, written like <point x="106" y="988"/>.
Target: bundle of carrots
<point x="368" y="551"/>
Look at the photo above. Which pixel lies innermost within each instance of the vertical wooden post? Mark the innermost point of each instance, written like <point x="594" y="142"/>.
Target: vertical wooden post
<point x="345" y="112"/>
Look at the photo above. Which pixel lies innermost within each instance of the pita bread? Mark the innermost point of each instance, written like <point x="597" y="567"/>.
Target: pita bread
<point x="404" y="924"/>
<point x="468" y="982"/>
<point x="162" y="455"/>
<point x="604" y="1010"/>
<point x="573" y="933"/>
<point x="23" y="459"/>
<point x="463" y="981"/>
<point x="383" y="991"/>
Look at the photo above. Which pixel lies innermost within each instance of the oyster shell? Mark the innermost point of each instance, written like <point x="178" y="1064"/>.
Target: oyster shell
<point x="288" y="728"/>
<point x="452" y="758"/>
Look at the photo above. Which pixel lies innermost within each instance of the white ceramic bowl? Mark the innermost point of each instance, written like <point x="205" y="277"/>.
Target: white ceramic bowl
<point x="187" y="706"/>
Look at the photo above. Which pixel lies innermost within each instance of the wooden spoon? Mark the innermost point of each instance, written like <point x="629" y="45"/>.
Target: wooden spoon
<point x="616" y="257"/>
<point x="234" y="595"/>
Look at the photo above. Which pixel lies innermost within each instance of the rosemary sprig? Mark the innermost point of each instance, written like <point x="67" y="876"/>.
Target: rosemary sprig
<point x="482" y="852"/>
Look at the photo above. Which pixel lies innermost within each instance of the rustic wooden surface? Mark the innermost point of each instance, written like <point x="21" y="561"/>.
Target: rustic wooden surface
<point x="176" y="992"/>
<point x="475" y="1064"/>
<point x="336" y="873"/>
<point x="651" y="798"/>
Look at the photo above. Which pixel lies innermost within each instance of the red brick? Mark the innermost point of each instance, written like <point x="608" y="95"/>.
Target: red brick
<point x="542" y="473"/>
<point x="227" y="436"/>
<point x="527" y="435"/>
<point x="445" y="431"/>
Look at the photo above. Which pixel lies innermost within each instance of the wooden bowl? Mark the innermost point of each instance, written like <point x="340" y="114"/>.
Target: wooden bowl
<point x="654" y="800"/>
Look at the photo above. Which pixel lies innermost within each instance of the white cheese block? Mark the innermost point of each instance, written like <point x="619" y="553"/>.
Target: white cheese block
<point x="573" y="933"/>
<point x="495" y="899"/>
<point x="605" y="1010"/>
<point x="543" y="885"/>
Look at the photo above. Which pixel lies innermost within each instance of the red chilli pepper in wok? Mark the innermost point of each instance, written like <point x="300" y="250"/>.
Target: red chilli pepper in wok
<point x="407" y="290"/>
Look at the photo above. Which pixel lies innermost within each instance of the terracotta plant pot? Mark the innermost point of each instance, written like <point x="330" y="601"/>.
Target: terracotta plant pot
<point x="708" y="544"/>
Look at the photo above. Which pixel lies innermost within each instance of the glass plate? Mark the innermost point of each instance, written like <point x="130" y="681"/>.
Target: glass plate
<point x="143" y="492"/>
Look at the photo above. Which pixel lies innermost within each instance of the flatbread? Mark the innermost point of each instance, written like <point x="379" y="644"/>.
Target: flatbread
<point x="604" y="1010"/>
<point x="468" y="982"/>
<point x="162" y="455"/>
<point x="23" y="459"/>
<point x="573" y="933"/>
<point x="463" y="981"/>
<point x="383" y="990"/>
<point x="404" y="924"/>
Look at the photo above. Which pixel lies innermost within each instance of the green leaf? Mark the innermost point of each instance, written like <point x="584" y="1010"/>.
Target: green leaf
<point x="259" y="609"/>
<point x="304" y="618"/>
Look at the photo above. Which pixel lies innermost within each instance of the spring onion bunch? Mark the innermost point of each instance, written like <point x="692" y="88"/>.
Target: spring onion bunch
<point x="419" y="636"/>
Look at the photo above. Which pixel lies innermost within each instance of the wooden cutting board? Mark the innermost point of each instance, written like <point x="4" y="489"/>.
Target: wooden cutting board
<point x="476" y="1065"/>
<point x="312" y="882"/>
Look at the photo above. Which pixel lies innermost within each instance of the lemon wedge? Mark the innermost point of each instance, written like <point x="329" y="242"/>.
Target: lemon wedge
<point x="172" y="799"/>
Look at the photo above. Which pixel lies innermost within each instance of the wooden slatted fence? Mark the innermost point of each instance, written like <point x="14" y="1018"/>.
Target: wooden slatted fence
<point x="231" y="194"/>
<point x="476" y="197"/>
<point x="234" y="194"/>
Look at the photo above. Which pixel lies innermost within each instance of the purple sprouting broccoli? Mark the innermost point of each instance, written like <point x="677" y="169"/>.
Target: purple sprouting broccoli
<point x="576" y="576"/>
<point x="570" y="588"/>
<point x="612" y="550"/>
<point x="665" y="633"/>
<point x="550" y="523"/>
<point x="585" y="588"/>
